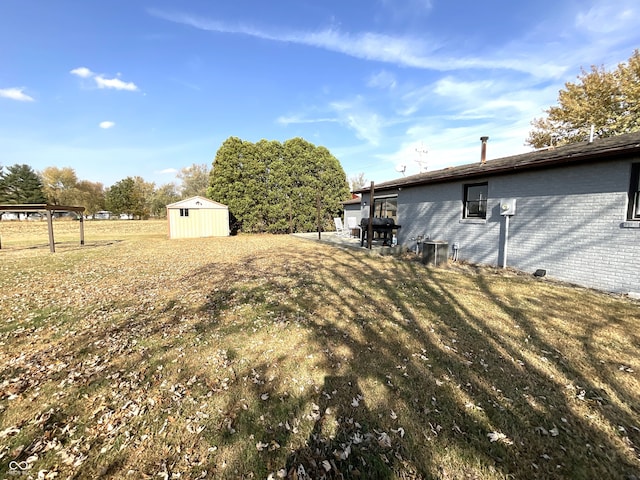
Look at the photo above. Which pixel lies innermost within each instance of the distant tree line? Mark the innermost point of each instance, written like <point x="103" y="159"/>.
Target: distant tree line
<point x="20" y="184"/>
<point x="278" y="187"/>
<point x="268" y="186"/>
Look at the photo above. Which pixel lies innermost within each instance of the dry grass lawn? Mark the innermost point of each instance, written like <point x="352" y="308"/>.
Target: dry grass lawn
<point x="277" y="357"/>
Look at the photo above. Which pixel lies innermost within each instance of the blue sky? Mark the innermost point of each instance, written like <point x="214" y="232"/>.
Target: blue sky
<point x="124" y="88"/>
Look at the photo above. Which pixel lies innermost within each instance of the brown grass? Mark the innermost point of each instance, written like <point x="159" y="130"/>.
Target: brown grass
<point x="251" y="356"/>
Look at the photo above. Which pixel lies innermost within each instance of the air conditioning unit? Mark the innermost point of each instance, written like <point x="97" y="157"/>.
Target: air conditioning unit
<point x="508" y="206"/>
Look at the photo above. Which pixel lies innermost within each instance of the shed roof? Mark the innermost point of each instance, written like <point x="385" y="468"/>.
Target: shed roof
<point x="197" y="202"/>
<point x="582" y="152"/>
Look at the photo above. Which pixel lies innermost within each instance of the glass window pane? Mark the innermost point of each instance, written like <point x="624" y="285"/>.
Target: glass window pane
<point x="386" y="208"/>
<point x="475" y="205"/>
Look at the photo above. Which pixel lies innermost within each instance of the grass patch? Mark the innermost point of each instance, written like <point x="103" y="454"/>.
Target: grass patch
<point x="251" y="356"/>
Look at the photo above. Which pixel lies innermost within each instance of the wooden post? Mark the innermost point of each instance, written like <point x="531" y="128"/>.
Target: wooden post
<point x="318" y="208"/>
<point x="52" y="244"/>
<point x="81" y="229"/>
<point x="372" y="210"/>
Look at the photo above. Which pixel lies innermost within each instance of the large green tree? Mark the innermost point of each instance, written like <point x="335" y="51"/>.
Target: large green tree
<point x="21" y="184"/>
<point x="608" y="100"/>
<point x="232" y="182"/>
<point x="276" y="187"/>
<point x="121" y="198"/>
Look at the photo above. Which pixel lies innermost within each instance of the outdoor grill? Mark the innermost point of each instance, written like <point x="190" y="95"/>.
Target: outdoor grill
<point x="381" y="226"/>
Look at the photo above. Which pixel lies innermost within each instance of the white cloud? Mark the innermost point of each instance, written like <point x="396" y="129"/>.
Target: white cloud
<point x="366" y="123"/>
<point x="107" y="124"/>
<point x="168" y="171"/>
<point x="15" y="94"/>
<point x="407" y="51"/>
<point x="353" y="114"/>
<point x="608" y="18"/>
<point x="115" y="83"/>
<point x="382" y="79"/>
<point x="82" y="72"/>
<point x="103" y="82"/>
<point x="297" y="119"/>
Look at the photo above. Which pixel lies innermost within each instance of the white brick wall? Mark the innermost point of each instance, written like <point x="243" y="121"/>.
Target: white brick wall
<point x="568" y="221"/>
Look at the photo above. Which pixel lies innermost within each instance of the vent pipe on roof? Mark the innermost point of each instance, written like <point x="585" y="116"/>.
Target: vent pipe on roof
<point x="483" y="152"/>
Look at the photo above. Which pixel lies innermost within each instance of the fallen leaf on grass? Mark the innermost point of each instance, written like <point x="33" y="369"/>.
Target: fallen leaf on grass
<point x="9" y="431"/>
<point x="261" y="446"/>
<point x="499" y="437"/>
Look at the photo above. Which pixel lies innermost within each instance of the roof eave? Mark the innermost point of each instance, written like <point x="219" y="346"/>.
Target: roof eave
<point x="487" y="169"/>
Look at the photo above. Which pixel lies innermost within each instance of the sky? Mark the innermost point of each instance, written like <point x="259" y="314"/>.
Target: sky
<point x="124" y="88"/>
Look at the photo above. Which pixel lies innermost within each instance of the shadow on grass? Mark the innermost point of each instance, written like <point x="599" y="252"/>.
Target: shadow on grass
<point x="379" y="367"/>
<point x="472" y="398"/>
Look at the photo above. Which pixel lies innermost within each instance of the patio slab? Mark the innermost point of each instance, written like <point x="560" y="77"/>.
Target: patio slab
<point x="331" y="238"/>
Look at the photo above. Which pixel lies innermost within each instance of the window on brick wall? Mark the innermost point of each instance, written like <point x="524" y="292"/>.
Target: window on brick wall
<point x="386" y="207"/>
<point x="475" y="200"/>
<point x="634" y="193"/>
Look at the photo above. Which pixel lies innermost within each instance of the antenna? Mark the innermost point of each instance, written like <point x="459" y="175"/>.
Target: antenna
<point x="423" y="163"/>
<point x="401" y="168"/>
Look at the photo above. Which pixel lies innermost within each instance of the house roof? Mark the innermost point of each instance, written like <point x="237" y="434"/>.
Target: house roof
<point x="582" y="152"/>
<point x="353" y="201"/>
<point x="196" y="202"/>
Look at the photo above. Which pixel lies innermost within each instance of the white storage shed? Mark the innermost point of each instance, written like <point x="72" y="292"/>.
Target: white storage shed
<point x="198" y="217"/>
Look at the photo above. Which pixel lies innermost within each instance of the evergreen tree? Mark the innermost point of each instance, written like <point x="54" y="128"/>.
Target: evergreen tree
<point x="610" y="101"/>
<point x="2" y="184"/>
<point x="21" y="185"/>
<point x="231" y="179"/>
<point x="274" y="187"/>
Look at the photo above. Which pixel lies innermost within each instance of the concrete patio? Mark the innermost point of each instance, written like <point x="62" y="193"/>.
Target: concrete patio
<point x="346" y="241"/>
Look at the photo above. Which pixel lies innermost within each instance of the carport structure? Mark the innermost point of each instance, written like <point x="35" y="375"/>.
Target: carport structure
<point x="48" y="210"/>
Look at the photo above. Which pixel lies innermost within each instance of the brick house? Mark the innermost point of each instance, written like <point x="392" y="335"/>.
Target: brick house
<point x="576" y="211"/>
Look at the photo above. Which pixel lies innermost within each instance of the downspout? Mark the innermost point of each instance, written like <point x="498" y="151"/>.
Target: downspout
<point x="506" y="241"/>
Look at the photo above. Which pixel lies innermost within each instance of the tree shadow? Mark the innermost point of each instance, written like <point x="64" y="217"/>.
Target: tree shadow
<point x="414" y="374"/>
<point x="457" y="382"/>
<point x="346" y="440"/>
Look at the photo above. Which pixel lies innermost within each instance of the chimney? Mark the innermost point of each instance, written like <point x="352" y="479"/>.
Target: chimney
<point x="483" y="152"/>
